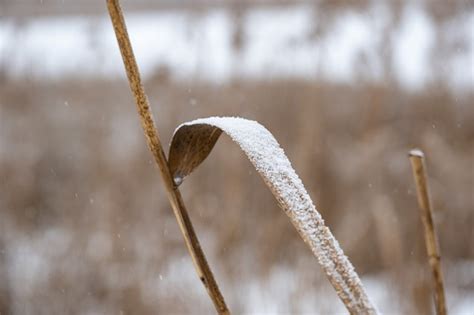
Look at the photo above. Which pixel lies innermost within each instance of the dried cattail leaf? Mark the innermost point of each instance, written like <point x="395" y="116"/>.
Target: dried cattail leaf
<point x="193" y="141"/>
<point x="190" y="146"/>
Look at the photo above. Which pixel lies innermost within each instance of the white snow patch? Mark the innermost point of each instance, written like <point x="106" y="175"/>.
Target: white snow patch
<point x="412" y="46"/>
<point x="417" y="152"/>
<point x="281" y="42"/>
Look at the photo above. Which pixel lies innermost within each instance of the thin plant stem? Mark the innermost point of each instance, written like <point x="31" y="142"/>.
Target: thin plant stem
<point x="154" y="143"/>
<point x="432" y="247"/>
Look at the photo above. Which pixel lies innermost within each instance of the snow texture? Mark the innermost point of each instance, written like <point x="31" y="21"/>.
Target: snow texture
<point x="417" y="152"/>
<point x="271" y="162"/>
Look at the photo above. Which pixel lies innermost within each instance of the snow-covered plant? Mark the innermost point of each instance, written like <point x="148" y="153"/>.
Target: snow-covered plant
<point x="193" y="141"/>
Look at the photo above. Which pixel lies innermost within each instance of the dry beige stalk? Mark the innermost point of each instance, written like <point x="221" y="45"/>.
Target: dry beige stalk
<point x="192" y="143"/>
<point x="154" y="143"/>
<point x="434" y="258"/>
<point x="388" y="231"/>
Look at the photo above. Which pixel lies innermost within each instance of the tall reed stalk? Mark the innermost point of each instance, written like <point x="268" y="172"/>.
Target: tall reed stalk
<point x="154" y="143"/>
<point x="432" y="247"/>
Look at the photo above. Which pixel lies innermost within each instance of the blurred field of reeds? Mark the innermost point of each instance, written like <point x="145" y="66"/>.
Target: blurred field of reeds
<point x="86" y="228"/>
<point x="81" y="194"/>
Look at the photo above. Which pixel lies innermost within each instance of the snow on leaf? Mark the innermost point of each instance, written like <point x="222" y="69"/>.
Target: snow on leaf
<point x="193" y="141"/>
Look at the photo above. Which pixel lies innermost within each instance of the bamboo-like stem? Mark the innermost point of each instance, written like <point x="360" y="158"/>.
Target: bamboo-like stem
<point x="154" y="143"/>
<point x="432" y="247"/>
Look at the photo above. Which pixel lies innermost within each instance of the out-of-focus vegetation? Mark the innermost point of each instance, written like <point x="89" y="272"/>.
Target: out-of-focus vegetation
<point x="85" y="226"/>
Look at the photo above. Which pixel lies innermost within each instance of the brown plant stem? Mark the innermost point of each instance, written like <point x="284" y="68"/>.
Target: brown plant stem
<point x="434" y="258"/>
<point x="154" y="143"/>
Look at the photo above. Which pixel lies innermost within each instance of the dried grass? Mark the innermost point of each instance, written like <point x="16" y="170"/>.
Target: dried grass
<point x="431" y="241"/>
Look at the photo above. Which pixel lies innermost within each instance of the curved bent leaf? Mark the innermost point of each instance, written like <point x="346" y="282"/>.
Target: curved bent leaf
<point x="193" y="141"/>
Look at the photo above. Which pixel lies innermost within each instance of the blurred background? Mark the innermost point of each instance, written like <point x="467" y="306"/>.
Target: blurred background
<point x="346" y="87"/>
